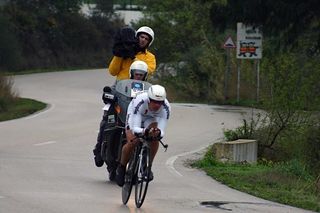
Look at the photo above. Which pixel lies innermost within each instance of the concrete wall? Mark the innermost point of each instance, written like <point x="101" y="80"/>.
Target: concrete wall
<point x="241" y="150"/>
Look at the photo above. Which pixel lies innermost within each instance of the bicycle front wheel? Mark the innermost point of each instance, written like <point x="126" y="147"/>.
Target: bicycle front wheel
<point x="143" y="174"/>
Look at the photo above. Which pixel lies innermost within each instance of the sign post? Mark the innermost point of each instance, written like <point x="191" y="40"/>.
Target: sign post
<point x="249" y="46"/>
<point x="238" y="80"/>
<point x="228" y="44"/>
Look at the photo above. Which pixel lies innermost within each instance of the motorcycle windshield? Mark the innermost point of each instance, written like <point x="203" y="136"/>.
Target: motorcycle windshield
<point x="130" y="88"/>
<point x="125" y="91"/>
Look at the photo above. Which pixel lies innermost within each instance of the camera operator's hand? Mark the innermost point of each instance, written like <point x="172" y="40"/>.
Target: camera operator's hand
<point x="125" y="43"/>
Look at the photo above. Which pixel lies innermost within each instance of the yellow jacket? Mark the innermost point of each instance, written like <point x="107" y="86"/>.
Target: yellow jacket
<point x="120" y="67"/>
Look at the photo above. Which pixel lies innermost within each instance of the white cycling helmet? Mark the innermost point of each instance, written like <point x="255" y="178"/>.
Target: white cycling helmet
<point x="148" y="31"/>
<point x="157" y="93"/>
<point x="138" y="67"/>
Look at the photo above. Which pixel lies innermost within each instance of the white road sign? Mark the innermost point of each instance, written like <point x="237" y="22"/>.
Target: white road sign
<point x="249" y="42"/>
<point x="229" y="43"/>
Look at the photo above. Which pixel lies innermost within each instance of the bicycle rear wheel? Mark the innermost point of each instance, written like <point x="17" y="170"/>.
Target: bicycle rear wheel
<point x="127" y="187"/>
<point x="128" y="180"/>
<point x="143" y="173"/>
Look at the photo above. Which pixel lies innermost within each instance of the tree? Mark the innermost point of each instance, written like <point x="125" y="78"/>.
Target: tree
<point x="9" y="47"/>
<point x="283" y="19"/>
<point x="56" y="35"/>
<point x="184" y="40"/>
<point x="51" y="6"/>
<point x="178" y="25"/>
<point x="106" y="7"/>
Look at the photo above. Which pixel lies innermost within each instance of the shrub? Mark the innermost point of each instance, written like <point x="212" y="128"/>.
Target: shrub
<point x="6" y="93"/>
<point x="294" y="167"/>
<point x="246" y="131"/>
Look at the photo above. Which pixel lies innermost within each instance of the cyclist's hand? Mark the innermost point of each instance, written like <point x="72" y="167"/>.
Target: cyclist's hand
<point x="153" y="133"/>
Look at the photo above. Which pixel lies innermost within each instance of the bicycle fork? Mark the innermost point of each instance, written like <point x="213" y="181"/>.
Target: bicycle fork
<point x="142" y="164"/>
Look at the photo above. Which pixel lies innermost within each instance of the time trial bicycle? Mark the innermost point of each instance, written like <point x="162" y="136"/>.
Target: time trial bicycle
<point x="138" y="171"/>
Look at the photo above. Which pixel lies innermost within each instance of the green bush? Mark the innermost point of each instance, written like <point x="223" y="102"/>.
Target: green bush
<point x="208" y="160"/>
<point x="294" y="167"/>
<point x="6" y="93"/>
<point x="246" y="131"/>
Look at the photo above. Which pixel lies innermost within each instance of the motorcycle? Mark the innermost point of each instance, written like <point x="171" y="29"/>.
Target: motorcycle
<point x="116" y="101"/>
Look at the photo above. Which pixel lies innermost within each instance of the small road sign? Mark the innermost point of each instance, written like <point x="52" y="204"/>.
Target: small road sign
<point x="229" y="43"/>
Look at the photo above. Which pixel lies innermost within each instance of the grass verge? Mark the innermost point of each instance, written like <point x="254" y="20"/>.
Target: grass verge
<point x="284" y="183"/>
<point x="20" y="107"/>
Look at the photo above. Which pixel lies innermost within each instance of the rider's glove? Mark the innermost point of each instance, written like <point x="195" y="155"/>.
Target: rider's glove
<point x="152" y="133"/>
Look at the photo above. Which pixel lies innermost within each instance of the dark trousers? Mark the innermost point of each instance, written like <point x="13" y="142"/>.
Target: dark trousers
<point x="108" y="140"/>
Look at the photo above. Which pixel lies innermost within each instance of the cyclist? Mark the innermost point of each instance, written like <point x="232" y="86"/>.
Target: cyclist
<point x="138" y="71"/>
<point x="147" y="114"/>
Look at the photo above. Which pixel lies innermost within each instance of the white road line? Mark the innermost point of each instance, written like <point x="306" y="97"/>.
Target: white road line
<point x="45" y="143"/>
<point x="171" y="160"/>
<point x="169" y="164"/>
<point x="50" y="107"/>
<point x="1" y="197"/>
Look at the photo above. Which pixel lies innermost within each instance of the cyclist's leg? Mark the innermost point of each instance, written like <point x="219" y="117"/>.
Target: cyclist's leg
<point x="127" y="151"/>
<point x="128" y="148"/>
<point x="154" y="146"/>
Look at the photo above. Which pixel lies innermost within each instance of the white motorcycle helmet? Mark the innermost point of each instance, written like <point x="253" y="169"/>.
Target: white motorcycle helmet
<point x="139" y="67"/>
<point x="157" y="93"/>
<point x="148" y="31"/>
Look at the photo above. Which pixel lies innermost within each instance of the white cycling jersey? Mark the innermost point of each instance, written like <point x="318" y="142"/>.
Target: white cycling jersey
<point x="140" y="117"/>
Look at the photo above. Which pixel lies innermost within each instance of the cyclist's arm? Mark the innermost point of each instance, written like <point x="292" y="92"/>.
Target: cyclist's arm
<point x="162" y="123"/>
<point x="164" y="117"/>
<point x="136" y="123"/>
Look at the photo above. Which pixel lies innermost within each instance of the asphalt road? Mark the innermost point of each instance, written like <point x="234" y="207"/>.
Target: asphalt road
<point x="46" y="160"/>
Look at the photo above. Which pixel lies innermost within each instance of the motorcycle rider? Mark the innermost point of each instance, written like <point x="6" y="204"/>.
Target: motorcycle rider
<point x="138" y="71"/>
<point x="147" y="114"/>
<point x="129" y="45"/>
